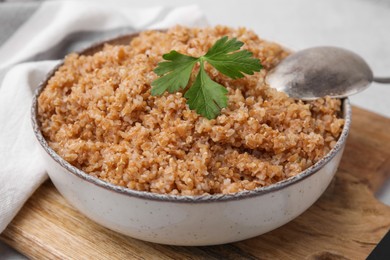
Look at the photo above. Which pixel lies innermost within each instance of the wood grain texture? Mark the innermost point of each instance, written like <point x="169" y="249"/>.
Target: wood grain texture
<point x="345" y="223"/>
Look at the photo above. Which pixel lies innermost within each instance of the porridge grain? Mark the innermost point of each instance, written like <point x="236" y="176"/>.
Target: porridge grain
<point x="98" y="114"/>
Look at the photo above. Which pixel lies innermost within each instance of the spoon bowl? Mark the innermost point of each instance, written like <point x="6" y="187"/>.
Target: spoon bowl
<point x="321" y="71"/>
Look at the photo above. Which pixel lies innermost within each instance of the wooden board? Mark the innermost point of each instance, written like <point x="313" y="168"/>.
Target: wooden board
<point x="345" y="223"/>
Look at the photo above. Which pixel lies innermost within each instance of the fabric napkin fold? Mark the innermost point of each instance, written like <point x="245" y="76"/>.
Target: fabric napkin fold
<point x="32" y="38"/>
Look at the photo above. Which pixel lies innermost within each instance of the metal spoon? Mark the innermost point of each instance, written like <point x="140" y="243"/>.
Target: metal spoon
<point x="322" y="71"/>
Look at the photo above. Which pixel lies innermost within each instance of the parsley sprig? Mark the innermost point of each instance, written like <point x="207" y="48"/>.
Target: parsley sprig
<point x="205" y="96"/>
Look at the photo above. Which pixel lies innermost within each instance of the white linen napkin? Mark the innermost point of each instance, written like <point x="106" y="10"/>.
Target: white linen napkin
<point x="54" y="29"/>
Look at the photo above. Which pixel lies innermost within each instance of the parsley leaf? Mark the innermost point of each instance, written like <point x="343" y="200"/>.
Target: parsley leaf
<point x="177" y="72"/>
<point x="205" y="96"/>
<point x="232" y="64"/>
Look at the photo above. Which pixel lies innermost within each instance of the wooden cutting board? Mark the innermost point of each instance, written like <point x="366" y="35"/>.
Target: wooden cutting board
<point x="347" y="222"/>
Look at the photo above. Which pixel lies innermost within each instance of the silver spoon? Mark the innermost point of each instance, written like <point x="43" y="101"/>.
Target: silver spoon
<point x="322" y="71"/>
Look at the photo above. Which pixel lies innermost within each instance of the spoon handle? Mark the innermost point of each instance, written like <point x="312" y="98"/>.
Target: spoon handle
<point x="381" y="80"/>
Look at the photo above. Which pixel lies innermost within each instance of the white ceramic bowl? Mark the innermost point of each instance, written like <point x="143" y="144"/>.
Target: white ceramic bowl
<point x="189" y="220"/>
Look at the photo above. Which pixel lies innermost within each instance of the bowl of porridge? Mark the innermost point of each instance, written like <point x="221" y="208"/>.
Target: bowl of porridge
<point x="149" y="167"/>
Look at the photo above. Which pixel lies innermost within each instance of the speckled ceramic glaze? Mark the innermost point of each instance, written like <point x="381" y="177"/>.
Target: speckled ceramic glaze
<point x="189" y="220"/>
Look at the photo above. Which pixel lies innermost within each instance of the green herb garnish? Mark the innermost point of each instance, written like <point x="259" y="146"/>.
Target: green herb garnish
<point x="205" y="96"/>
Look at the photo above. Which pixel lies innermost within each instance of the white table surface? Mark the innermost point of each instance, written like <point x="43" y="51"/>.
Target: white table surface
<point x="362" y="26"/>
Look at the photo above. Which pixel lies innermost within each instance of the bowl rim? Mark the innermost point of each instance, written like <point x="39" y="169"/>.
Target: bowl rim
<point x="346" y="111"/>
